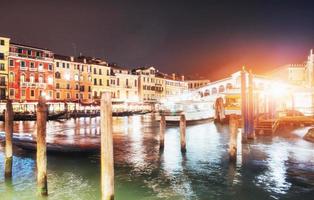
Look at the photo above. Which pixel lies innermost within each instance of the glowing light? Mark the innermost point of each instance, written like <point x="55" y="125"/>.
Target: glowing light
<point x="67" y="77"/>
<point x="50" y="80"/>
<point x="278" y="90"/>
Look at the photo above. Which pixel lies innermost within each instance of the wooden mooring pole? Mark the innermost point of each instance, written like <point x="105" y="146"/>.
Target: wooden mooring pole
<point x="162" y="127"/>
<point x="107" y="164"/>
<point x="244" y="105"/>
<point x="182" y="133"/>
<point x="250" y="108"/>
<point x="41" y="156"/>
<point x="233" y="126"/>
<point x="8" y="140"/>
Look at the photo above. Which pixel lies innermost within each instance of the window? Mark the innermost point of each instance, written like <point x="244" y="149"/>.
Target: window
<point x="76" y="95"/>
<point x="11" y="77"/>
<point x="22" y="78"/>
<point x="68" y="86"/>
<point x="29" y="52"/>
<point x="76" y="77"/>
<point x="1" y="56"/>
<point x="68" y="65"/>
<point x="68" y="96"/>
<point x="32" y="78"/>
<point x="100" y="81"/>
<point x="32" y="93"/>
<point x="82" y="88"/>
<point x="95" y="81"/>
<point x="22" y="64"/>
<point x="40" y="79"/>
<point x="100" y="72"/>
<point x="57" y="75"/>
<point x="2" y="42"/>
<point x="2" y="68"/>
<point x="11" y="62"/>
<point x="63" y="65"/>
<point x="118" y="81"/>
<point x="127" y="82"/>
<point x="76" y="86"/>
<point x="23" y="93"/>
<point x="135" y="83"/>
<point x="50" y="67"/>
<point x="57" y="85"/>
<point x="57" y="64"/>
<point x="95" y="71"/>
<point x="58" y="95"/>
<point x="32" y="65"/>
<point x="40" y="67"/>
<point x="38" y="54"/>
<point x="108" y="83"/>
<point x="89" y="88"/>
<point x="11" y="92"/>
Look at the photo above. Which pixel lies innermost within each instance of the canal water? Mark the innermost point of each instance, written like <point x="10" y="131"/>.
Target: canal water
<point x="279" y="167"/>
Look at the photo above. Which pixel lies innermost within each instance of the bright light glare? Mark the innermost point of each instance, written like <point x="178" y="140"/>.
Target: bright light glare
<point x="67" y="77"/>
<point x="278" y="90"/>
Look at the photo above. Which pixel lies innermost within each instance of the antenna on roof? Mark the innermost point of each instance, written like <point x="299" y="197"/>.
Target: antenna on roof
<point x="74" y="48"/>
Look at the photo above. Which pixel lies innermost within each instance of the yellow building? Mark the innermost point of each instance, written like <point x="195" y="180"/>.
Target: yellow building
<point x="195" y="84"/>
<point x="123" y="85"/>
<point x="100" y="77"/>
<point x="175" y="85"/>
<point x="4" y="53"/>
<point x="160" y="86"/>
<point x="73" y="81"/>
<point x="146" y="83"/>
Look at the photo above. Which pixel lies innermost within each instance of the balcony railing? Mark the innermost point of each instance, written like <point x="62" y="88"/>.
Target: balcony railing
<point x="23" y="68"/>
<point x="32" y="69"/>
<point x="34" y="85"/>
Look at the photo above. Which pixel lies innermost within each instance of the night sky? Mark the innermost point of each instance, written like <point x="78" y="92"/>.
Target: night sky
<point x="211" y="38"/>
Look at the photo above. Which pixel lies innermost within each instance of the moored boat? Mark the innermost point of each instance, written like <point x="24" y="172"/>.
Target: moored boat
<point x="58" y="143"/>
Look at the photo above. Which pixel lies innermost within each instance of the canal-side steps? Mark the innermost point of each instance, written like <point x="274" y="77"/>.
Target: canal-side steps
<point x="270" y="126"/>
<point x="266" y="127"/>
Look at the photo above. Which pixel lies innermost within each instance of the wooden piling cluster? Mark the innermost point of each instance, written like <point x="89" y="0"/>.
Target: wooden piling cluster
<point x="107" y="164"/>
<point x="182" y="127"/>
<point x="8" y="140"/>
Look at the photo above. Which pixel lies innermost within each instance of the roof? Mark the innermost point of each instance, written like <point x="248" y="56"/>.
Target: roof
<point x="28" y="46"/>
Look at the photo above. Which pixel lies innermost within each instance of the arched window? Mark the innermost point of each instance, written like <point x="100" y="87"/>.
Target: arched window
<point x="22" y="77"/>
<point x="214" y="90"/>
<point x="221" y="88"/>
<point x="32" y="78"/>
<point x="229" y="86"/>
<point x="206" y="93"/>
<point x="11" y="77"/>
<point x="57" y="75"/>
<point x="76" y="77"/>
<point x="40" y="79"/>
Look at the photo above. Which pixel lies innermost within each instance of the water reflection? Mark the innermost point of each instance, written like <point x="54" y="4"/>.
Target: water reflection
<point x="269" y="168"/>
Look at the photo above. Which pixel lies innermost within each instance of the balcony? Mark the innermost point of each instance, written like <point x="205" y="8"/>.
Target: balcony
<point x="23" y="68"/>
<point x="32" y="69"/>
<point x="33" y="85"/>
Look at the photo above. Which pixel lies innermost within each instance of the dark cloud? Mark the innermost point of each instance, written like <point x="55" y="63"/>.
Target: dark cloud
<point x="211" y="38"/>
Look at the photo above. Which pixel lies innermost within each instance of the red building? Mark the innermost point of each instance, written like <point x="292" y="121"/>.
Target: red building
<point x="31" y="72"/>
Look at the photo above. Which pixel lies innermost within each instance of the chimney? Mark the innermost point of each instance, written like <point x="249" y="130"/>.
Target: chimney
<point x="173" y="76"/>
<point x="72" y="58"/>
<point x="182" y="78"/>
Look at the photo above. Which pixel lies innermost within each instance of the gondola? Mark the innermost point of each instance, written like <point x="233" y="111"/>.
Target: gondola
<point x="58" y="144"/>
<point x="32" y="117"/>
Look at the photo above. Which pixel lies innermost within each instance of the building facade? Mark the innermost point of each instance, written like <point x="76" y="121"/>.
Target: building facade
<point x="4" y="70"/>
<point x="30" y="73"/>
